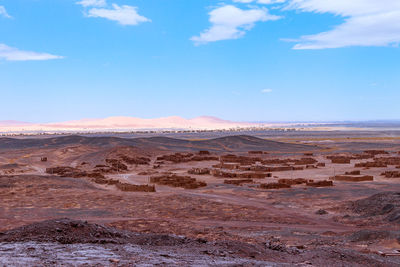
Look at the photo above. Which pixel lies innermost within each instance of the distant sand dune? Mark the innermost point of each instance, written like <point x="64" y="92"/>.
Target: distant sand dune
<point x="126" y="123"/>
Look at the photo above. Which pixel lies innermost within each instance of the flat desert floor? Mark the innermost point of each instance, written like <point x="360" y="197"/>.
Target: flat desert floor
<point x="261" y="199"/>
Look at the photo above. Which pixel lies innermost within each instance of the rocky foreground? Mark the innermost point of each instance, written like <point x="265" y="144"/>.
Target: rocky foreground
<point x="75" y="243"/>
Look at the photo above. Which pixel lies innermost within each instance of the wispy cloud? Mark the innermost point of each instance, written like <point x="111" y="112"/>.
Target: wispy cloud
<point x="266" y="91"/>
<point x="3" y="13"/>
<point x="265" y="2"/>
<point x="14" y="54"/>
<point x="124" y="15"/>
<point x="231" y="22"/>
<point x="366" y="23"/>
<point x="93" y="3"/>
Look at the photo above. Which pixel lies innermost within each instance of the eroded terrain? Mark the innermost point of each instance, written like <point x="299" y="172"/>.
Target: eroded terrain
<point x="225" y="201"/>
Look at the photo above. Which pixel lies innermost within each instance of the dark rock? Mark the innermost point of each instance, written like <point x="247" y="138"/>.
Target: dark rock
<point x="321" y="212"/>
<point x="387" y="208"/>
<point x="394" y="217"/>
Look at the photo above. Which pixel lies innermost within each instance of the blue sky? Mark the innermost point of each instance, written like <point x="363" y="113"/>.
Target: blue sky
<point x="242" y="60"/>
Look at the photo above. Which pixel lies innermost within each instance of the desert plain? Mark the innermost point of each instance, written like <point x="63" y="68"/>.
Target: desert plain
<point x="279" y="198"/>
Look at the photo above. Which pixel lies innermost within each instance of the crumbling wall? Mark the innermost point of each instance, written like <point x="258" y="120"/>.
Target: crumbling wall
<point x="254" y="175"/>
<point x="363" y="156"/>
<point x="341" y="160"/>
<point x="105" y="181"/>
<point x="305" y="161"/>
<point x="98" y="178"/>
<point x="284" y="168"/>
<point x="204" y="158"/>
<point x="247" y="175"/>
<point x="241" y="160"/>
<point x="176" y="158"/>
<point x="67" y="172"/>
<point x="117" y="165"/>
<point x="135" y="188"/>
<point x="391" y="174"/>
<point x="199" y="171"/>
<point x="135" y="160"/>
<point x="222" y="174"/>
<point x="174" y="180"/>
<point x="388" y="160"/>
<point x="255" y="152"/>
<point x="349" y="178"/>
<point x="370" y="164"/>
<point x="277" y="161"/>
<point x="296" y="181"/>
<point x="376" y="152"/>
<point x="355" y="172"/>
<point x="124" y="186"/>
<point x="186" y="157"/>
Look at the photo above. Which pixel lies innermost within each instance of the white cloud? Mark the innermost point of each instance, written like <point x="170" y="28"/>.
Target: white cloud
<point x="14" y="54"/>
<point x="124" y="15"/>
<point x="3" y="12"/>
<point x="265" y="2"/>
<point x="87" y="3"/>
<point x="366" y="23"/>
<point x="243" y="1"/>
<point x="268" y="2"/>
<point x="266" y="91"/>
<point x="230" y="22"/>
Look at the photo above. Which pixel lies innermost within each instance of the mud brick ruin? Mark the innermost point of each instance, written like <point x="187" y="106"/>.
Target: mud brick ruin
<point x="376" y="152"/>
<point x="135" y="188"/>
<point x="391" y="174"/>
<point x="350" y="178"/>
<point x="370" y="164"/>
<point x="355" y="172"/>
<point x="255" y="152"/>
<point x="174" y="180"/>
<point x="199" y="171"/>
<point x="296" y="181"/>
<point x="187" y="157"/>
<point x="135" y="161"/>
<point x="248" y="175"/>
<point x="340" y="160"/>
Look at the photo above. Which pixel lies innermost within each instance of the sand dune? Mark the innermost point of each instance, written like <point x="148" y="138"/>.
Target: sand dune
<point x="127" y="123"/>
